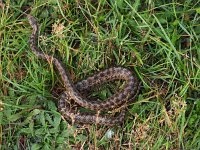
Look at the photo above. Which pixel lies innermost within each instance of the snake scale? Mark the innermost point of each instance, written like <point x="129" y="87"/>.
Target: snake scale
<point x="72" y="91"/>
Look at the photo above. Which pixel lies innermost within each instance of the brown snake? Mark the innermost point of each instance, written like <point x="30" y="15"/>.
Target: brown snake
<point x="72" y="91"/>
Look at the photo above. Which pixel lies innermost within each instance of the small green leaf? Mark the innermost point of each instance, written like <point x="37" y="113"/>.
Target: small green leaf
<point x="31" y="115"/>
<point x="57" y="121"/>
<point x="35" y="147"/>
<point x="175" y="23"/>
<point x="51" y="105"/>
<point x="16" y="116"/>
<point x="53" y="2"/>
<point x="31" y="127"/>
<point x="49" y="118"/>
<point x="184" y="90"/>
<point x="60" y="140"/>
<point x="42" y="118"/>
<point x="198" y="10"/>
<point x="39" y="132"/>
<point x="25" y="130"/>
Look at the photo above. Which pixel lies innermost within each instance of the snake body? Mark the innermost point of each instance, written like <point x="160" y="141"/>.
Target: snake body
<point x="72" y="91"/>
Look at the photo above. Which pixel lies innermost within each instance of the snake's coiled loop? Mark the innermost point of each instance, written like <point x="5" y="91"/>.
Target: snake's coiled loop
<point x="72" y="92"/>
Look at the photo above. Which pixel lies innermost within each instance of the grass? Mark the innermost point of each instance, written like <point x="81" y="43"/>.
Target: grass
<point x="158" y="40"/>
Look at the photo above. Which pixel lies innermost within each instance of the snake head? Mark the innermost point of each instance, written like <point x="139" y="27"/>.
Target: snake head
<point x="33" y="23"/>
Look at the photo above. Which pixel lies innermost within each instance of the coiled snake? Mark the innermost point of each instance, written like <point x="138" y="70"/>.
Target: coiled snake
<point x="72" y="92"/>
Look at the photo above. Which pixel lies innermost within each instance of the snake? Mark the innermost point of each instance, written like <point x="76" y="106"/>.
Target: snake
<point x="73" y="92"/>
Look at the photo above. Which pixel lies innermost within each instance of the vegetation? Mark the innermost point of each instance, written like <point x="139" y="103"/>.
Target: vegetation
<point x="158" y="40"/>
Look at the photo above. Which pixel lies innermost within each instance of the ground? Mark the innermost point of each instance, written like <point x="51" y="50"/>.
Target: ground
<point x="157" y="40"/>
